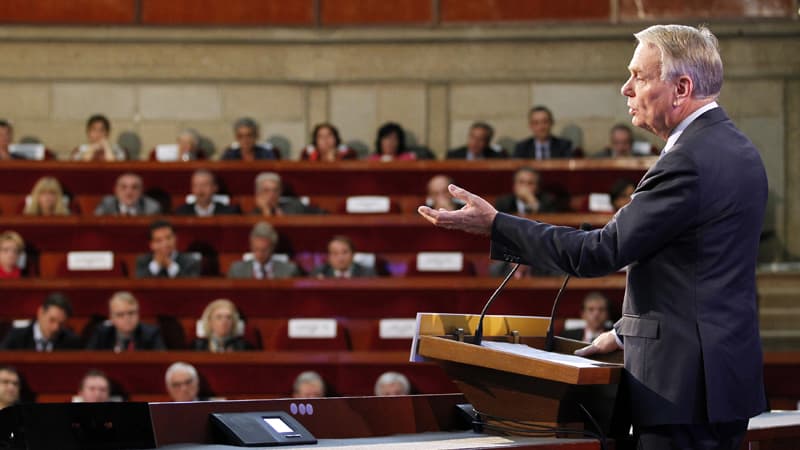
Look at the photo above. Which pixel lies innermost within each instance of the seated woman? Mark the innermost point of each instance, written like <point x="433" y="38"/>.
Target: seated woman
<point x="219" y="322"/>
<point x="46" y="199"/>
<point x="246" y="147"/>
<point x="188" y="148"/>
<point x="326" y="145"/>
<point x="11" y="246"/>
<point x="99" y="148"/>
<point x="390" y="145"/>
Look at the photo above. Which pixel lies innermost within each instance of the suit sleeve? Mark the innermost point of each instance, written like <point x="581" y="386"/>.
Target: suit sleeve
<point x="142" y="271"/>
<point x="664" y="205"/>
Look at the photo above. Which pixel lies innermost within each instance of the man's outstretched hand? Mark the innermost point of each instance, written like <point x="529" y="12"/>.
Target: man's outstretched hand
<point x="475" y="217"/>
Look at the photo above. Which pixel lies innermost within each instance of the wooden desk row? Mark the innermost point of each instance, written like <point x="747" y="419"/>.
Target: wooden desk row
<point x="344" y="178"/>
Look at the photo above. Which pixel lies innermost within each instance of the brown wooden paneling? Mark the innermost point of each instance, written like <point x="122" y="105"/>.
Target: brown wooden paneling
<point x="523" y="10"/>
<point x="658" y="9"/>
<point x="369" y="12"/>
<point x="227" y="12"/>
<point x="68" y="11"/>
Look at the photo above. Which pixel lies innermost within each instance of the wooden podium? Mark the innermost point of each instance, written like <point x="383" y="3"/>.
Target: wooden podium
<point x="514" y="391"/>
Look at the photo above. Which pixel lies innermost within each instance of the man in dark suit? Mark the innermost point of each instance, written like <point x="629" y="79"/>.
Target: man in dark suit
<point x="47" y="332"/>
<point x="479" y="145"/>
<point x="594" y="312"/>
<point x="204" y="188"/>
<point x="526" y="197"/>
<point x="269" y="198"/>
<point x="165" y="261"/>
<point x="340" y="261"/>
<point x="125" y="332"/>
<point x="128" y="199"/>
<point x="689" y="239"/>
<point x="263" y="239"/>
<point x="542" y="145"/>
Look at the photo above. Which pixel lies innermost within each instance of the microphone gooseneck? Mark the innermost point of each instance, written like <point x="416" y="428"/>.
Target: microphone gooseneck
<point x="479" y="330"/>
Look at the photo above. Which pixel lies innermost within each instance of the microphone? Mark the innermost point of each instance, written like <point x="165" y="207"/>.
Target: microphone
<point x="479" y="330"/>
<point x="549" y="339"/>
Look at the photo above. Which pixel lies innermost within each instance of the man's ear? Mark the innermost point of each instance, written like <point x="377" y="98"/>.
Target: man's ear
<point x="684" y="87"/>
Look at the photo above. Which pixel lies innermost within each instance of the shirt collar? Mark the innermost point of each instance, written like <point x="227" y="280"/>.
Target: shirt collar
<point x="37" y="332"/>
<point x="677" y="131"/>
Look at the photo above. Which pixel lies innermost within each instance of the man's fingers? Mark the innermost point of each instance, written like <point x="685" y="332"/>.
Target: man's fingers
<point x="460" y="193"/>
<point x="428" y="213"/>
<point x="586" y="351"/>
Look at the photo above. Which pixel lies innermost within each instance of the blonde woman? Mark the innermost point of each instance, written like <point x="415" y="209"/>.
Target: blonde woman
<point x="46" y="199"/>
<point x="11" y="246"/>
<point x="219" y="323"/>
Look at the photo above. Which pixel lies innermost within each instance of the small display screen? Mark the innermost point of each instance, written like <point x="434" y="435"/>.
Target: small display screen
<point x="278" y="425"/>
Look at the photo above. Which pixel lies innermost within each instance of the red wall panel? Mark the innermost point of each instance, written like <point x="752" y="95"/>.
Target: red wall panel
<point x="659" y="9"/>
<point x="369" y="12"/>
<point x="523" y="10"/>
<point x="227" y="12"/>
<point x="68" y="11"/>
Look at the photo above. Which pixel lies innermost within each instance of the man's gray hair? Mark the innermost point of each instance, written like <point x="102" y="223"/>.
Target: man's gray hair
<point x="247" y="123"/>
<point x="264" y="176"/>
<point x="265" y="230"/>
<point x="391" y="378"/>
<point x="308" y="376"/>
<point x="191" y="134"/>
<point x="180" y="367"/>
<point x="689" y="51"/>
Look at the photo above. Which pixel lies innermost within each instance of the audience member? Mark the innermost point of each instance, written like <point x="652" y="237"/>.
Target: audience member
<point x="47" y="332"/>
<point x="222" y="328"/>
<point x="326" y="146"/>
<point x="46" y="199"/>
<point x="542" y="145"/>
<point x="125" y="332"/>
<point x="183" y="382"/>
<point x="6" y="138"/>
<point x="204" y="187"/>
<point x="165" y="261"/>
<point x="594" y="312"/>
<point x="269" y="200"/>
<point x="128" y="199"/>
<point x="526" y="197"/>
<point x="11" y="247"/>
<point x="9" y="386"/>
<point x="188" y="147"/>
<point x="479" y="145"/>
<point x="390" y="144"/>
<point x="246" y="148"/>
<point x="340" y="261"/>
<point x="392" y="383"/>
<point x="263" y="239"/>
<point x="95" y="388"/>
<point x="620" y="142"/>
<point x="99" y="148"/>
<point x="309" y="384"/>
<point x="621" y="193"/>
<point x="439" y="195"/>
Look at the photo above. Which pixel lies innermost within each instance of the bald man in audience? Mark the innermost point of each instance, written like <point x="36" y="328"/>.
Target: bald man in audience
<point x="204" y="187"/>
<point x="392" y="383"/>
<point x="95" y="388"/>
<point x="125" y="332"/>
<point x="183" y="382"/>
<point x="308" y="384"/>
<point x="128" y="199"/>
<point x="9" y="386"/>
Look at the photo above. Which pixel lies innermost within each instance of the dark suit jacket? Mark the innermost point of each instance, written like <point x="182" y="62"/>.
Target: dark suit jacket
<point x="22" y="339"/>
<point x="559" y="148"/>
<point x="235" y="344"/>
<point x="235" y="154"/>
<point x="689" y="239"/>
<point x="187" y="209"/>
<point x="359" y="271"/>
<point x="188" y="264"/>
<point x="488" y="153"/>
<point x="145" y="337"/>
<point x="290" y="205"/>
<point x="280" y="269"/>
<point x="508" y="203"/>
<point x="109" y="206"/>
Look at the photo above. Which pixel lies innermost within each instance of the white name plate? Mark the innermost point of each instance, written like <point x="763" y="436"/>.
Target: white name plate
<point x="28" y="151"/>
<point x="599" y="202"/>
<point x="440" y="261"/>
<point x="365" y="259"/>
<point x="312" y="328"/>
<point x="366" y="204"/>
<point x="397" y="328"/>
<point x="90" y="261"/>
<point x="167" y="152"/>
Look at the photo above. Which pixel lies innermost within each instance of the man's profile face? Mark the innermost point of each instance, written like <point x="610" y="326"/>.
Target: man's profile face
<point x="477" y="140"/>
<point x="595" y="313"/>
<point x="128" y="190"/>
<point x="540" y="124"/>
<point x="50" y="320"/>
<point x="162" y="241"/>
<point x="649" y="98"/>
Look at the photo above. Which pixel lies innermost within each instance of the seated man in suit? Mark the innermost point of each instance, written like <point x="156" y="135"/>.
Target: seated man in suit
<point x="526" y="197"/>
<point x="309" y="384"/>
<point x="204" y="187"/>
<point x="246" y="148"/>
<point x="340" y="261"/>
<point x="165" y="261"/>
<point x="620" y="143"/>
<point x="594" y="312"/>
<point x="128" y="199"/>
<point x="183" y="382"/>
<point x="47" y="332"/>
<point x="9" y="386"/>
<point x="263" y="239"/>
<point x="125" y="332"/>
<point x="542" y="145"/>
<point x="95" y="388"/>
<point x="269" y="200"/>
<point x="392" y="383"/>
<point x="479" y="145"/>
